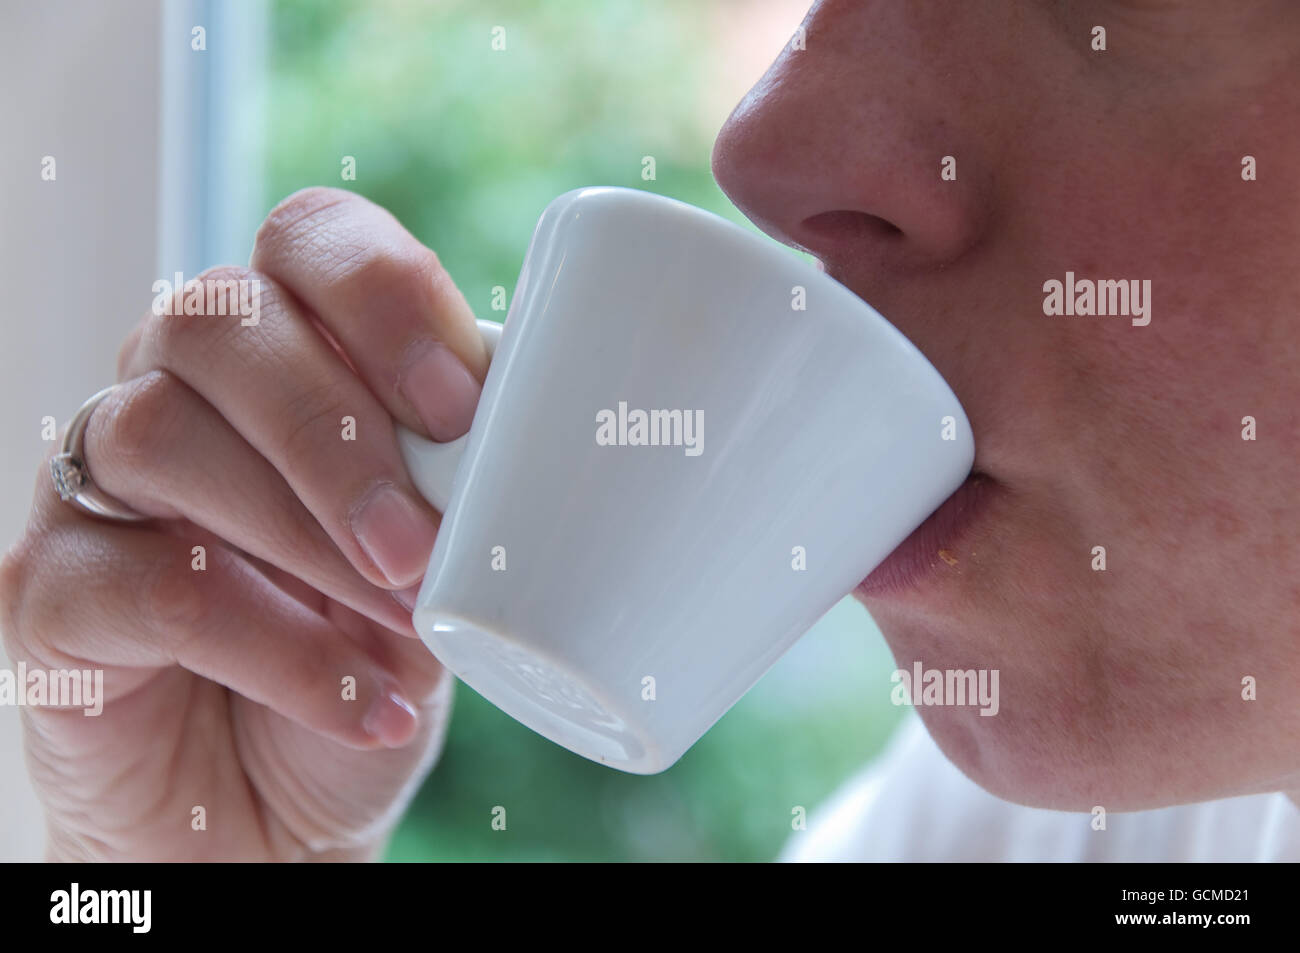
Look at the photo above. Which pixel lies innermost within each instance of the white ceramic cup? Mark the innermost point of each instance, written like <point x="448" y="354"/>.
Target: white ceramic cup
<point x="619" y="597"/>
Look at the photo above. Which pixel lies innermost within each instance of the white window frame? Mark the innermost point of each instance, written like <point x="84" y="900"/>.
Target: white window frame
<point x="211" y="133"/>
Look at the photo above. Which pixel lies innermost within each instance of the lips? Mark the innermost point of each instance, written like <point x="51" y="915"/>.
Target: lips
<point x="935" y="545"/>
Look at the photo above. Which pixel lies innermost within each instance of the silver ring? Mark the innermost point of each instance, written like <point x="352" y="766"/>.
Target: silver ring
<point x="71" y="477"/>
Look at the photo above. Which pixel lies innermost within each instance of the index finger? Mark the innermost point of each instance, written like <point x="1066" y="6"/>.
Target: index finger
<point x="386" y="299"/>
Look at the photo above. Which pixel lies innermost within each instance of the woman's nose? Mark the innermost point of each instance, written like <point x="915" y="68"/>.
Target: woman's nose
<point x="854" y="146"/>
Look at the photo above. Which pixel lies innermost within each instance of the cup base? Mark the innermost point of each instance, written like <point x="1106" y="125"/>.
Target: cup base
<point x="541" y="692"/>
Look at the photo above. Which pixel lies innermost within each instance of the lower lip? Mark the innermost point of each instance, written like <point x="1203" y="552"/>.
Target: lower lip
<point x="919" y="556"/>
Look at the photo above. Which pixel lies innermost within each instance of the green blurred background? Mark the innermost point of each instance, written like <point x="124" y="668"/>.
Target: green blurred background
<point x="466" y="144"/>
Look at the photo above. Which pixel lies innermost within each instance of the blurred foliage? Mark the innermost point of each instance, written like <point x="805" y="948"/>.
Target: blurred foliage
<point x="466" y="145"/>
<point x="821" y="713"/>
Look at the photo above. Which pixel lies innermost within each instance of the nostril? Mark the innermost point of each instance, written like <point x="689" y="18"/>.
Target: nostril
<point x="846" y="226"/>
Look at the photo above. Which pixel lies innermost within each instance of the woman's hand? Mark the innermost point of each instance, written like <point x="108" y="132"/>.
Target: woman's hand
<point x="226" y="687"/>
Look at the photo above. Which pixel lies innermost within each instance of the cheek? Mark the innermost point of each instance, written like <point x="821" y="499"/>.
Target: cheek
<point x="1171" y="208"/>
<point x="1137" y="432"/>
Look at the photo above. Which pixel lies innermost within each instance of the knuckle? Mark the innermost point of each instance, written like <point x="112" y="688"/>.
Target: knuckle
<point x="223" y="274"/>
<point x="233" y="291"/>
<point x="14" y="568"/>
<point x="411" y="269"/>
<point x="176" y="330"/>
<point x="400" y="279"/>
<point x="166" y="336"/>
<point x="424" y="272"/>
<point x="295" y="217"/>
<point x="32" y="567"/>
<point x="127" y="352"/>
<point x="139" y="421"/>
<point x="180" y="601"/>
<point x="203" y="313"/>
<point x="312" y="418"/>
<point x="436" y="277"/>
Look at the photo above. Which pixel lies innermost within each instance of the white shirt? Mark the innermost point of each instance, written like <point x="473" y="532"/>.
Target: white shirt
<point x="913" y="804"/>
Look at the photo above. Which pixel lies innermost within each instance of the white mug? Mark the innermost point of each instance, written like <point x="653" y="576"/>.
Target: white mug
<point x="690" y="445"/>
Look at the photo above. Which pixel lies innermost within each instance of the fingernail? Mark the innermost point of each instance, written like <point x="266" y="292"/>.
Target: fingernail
<point x="441" y="389"/>
<point x="391" y="720"/>
<point x="395" y="533"/>
<point x="406" y="597"/>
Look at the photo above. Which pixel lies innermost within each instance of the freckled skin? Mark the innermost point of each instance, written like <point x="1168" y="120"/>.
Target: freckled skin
<point x="1121" y="687"/>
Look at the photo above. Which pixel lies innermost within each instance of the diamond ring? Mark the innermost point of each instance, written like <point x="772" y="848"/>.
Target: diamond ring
<point x="72" y="478"/>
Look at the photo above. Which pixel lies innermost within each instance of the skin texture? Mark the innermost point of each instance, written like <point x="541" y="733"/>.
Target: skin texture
<point x="1120" y="688"/>
<point x="224" y="688"/>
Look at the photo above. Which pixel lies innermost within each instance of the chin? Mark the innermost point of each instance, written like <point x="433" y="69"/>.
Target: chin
<point x="1015" y="761"/>
<point x="1060" y="738"/>
<point x="1068" y="737"/>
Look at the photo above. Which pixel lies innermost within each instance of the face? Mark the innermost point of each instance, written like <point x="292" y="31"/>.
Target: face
<point x="1121" y="686"/>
